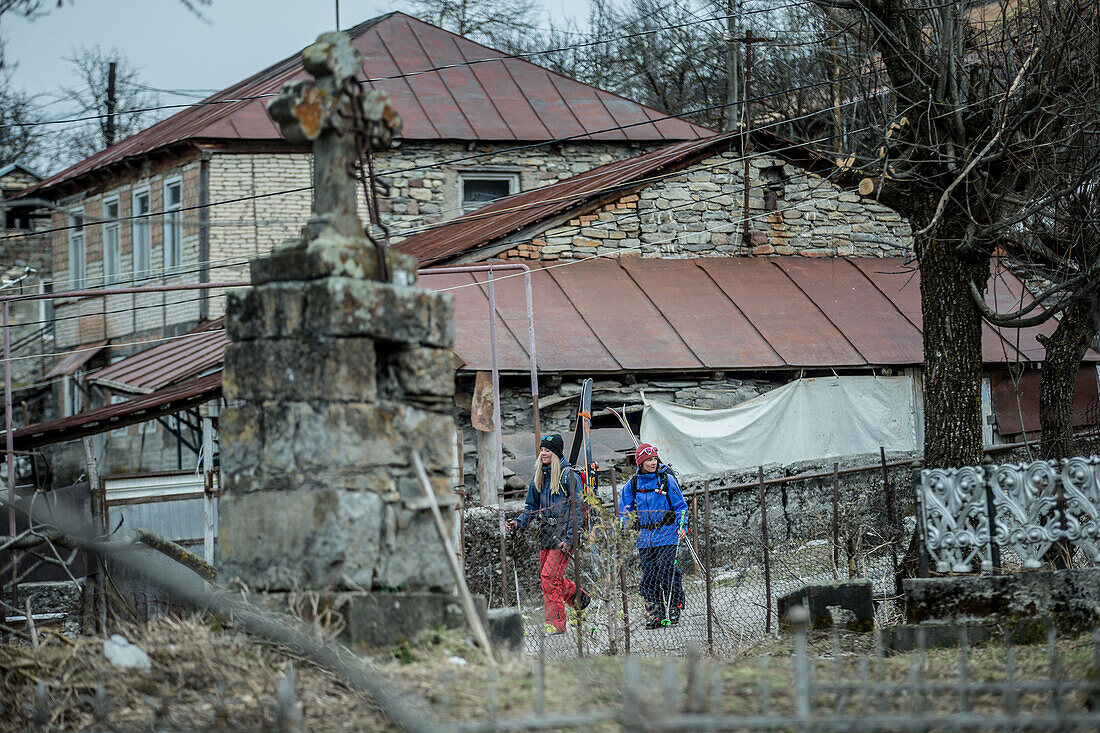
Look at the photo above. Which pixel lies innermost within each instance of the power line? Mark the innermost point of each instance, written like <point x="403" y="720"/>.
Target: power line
<point x="517" y="148"/>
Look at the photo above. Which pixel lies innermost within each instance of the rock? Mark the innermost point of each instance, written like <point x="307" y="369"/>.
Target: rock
<point x="317" y="368"/>
<point x="125" y="655"/>
<point x="506" y="629"/>
<point x="846" y="605"/>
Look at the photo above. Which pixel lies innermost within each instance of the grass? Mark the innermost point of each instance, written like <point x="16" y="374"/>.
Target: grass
<point x="205" y="677"/>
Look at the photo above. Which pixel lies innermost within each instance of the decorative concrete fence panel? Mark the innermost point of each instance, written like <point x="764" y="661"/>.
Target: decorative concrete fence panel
<point x="972" y="514"/>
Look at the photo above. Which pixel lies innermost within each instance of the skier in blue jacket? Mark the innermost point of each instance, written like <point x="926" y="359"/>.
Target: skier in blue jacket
<point x="653" y="496"/>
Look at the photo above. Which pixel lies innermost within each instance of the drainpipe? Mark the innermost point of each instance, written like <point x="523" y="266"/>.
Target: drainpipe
<point x="204" y="230"/>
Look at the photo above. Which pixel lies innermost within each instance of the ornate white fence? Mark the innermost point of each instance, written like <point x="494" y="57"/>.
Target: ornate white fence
<point x="973" y="513"/>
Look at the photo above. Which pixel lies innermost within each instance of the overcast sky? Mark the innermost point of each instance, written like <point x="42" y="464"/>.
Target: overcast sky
<point x="176" y="50"/>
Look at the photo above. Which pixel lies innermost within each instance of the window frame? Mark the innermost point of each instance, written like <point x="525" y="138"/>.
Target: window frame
<point x="77" y="246"/>
<point x="465" y="176"/>
<point x="173" y="222"/>
<point x="112" y="227"/>
<point x="141" y="226"/>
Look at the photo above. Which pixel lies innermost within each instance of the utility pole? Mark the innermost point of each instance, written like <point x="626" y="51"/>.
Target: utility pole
<point x="109" y="128"/>
<point x="746" y="142"/>
<point x="733" y="61"/>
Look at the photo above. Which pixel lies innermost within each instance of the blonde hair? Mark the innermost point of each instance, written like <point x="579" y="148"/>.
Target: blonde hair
<point x="555" y="473"/>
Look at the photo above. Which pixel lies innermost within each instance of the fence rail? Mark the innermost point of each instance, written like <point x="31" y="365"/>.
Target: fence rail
<point x="976" y="514"/>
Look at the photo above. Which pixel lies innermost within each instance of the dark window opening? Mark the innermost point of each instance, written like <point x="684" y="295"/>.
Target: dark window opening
<point x="477" y="192"/>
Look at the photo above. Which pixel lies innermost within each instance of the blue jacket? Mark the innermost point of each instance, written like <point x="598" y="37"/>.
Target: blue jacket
<point x="652" y="505"/>
<point x="552" y="507"/>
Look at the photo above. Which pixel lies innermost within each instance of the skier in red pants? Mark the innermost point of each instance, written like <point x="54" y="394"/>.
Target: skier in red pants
<point x="551" y="492"/>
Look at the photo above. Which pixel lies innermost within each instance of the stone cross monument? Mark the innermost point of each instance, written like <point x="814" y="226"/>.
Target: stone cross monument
<point x="337" y="377"/>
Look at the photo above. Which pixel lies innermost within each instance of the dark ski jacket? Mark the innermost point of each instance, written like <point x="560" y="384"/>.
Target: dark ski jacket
<point x="653" y="507"/>
<point x="552" y="508"/>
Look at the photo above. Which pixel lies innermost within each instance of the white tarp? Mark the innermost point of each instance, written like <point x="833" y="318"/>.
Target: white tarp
<point x="823" y="417"/>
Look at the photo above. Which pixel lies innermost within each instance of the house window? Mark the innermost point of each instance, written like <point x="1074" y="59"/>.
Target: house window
<point x="173" y="225"/>
<point x="76" y="249"/>
<point x="142" y="245"/>
<point x="112" y="243"/>
<point x="479" y="189"/>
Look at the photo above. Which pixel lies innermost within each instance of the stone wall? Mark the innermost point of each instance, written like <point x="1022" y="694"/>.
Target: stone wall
<point x="699" y="213"/>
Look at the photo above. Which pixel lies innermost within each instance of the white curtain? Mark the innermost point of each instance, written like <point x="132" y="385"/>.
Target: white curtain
<point x="822" y="417"/>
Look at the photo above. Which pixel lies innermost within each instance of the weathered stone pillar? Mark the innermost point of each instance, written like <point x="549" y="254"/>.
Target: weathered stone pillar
<point x="341" y="377"/>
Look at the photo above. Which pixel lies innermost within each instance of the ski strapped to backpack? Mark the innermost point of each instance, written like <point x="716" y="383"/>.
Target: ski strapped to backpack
<point x="669" y="517"/>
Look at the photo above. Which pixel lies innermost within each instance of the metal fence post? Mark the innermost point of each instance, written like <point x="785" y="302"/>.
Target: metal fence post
<point x="707" y="569"/>
<point x="836" y="520"/>
<point x="767" y="560"/>
<point x="922" y="551"/>
<point x="621" y="563"/>
<point x="891" y="517"/>
<point x="991" y="516"/>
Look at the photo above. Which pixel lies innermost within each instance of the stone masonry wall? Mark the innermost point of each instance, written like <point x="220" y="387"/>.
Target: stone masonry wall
<point x="698" y="213"/>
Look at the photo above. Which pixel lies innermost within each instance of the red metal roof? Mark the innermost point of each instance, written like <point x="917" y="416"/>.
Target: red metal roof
<point x="586" y="190"/>
<point x="147" y="407"/>
<point x="748" y="313"/>
<point x="440" y="94"/>
<point x="76" y="359"/>
<point x="167" y="363"/>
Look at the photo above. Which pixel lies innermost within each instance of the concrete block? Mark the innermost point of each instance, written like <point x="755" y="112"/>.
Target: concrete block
<point x="843" y="604"/>
<point x="291" y="540"/>
<point x="382" y="619"/>
<point x="330" y="255"/>
<point x="1070" y="598"/>
<point x="317" y="368"/>
<point x="506" y="629"/>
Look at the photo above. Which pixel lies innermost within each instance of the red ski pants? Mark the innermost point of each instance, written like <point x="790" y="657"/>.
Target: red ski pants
<point x="557" y="589"/>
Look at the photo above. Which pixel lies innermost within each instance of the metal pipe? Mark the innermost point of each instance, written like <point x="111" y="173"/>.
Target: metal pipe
<point x="10" y="447"/>
<point x="836" y="520"/>
<point x="496" y="426"/>
<point x="706" y="574"/>
<point x="531" y="356"/>
<point x="767" y="558"/>
<point x="621" y="563"/>
<point x="891" y="515"/>
<point x="122" y="291"/>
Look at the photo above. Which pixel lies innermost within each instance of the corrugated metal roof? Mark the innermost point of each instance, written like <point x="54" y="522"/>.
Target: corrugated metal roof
<point x="587" y="190"/>
<point x="749" y="313"/>
<point x="78" y="358"/>
<point x="509" y="99"/>
<point x="140" y="409"/>
<point x="167" y="363"/>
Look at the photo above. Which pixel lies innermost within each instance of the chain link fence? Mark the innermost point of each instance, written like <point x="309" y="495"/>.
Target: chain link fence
<point x="752" y="539"/>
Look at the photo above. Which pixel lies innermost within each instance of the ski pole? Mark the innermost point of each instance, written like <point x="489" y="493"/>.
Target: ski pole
<point x="675" y="560"/>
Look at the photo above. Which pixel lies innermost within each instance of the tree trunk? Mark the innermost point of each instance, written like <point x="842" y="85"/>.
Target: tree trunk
<point x="952" y="348"/>
<point x="1064" y="350"/>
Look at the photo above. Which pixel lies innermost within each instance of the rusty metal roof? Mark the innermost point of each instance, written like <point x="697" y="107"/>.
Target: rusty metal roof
<point x="167" y="363"/>
<point x="76" y="359"/>
<point x="749" y="313"/>
<point x="440" y="94"/>
<point x="147" y="407"/>
<point x="585" y="191"/>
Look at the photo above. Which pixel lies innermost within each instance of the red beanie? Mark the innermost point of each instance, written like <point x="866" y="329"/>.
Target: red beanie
<point x="643" y="452"/>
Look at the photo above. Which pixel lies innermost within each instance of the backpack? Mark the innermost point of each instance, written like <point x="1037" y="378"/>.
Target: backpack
<point x="669" y="517"/>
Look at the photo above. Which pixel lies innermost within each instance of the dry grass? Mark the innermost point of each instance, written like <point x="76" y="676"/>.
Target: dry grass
<point x="206" y="676"/>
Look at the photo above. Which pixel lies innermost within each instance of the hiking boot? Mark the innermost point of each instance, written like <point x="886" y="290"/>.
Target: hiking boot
<point x="581" y="599"/>
<point x="552" y="630"/>
<point x="654" y="623"/>
<point x="674" y="616"/>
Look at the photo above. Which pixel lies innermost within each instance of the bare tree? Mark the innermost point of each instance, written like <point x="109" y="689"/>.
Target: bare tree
<point x="116" y="114"/>
<point x="21" y="138"/>
<point x="967" y="105"/>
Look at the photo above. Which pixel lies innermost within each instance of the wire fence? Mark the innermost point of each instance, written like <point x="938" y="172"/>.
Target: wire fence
<point x="749" y="544"/>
